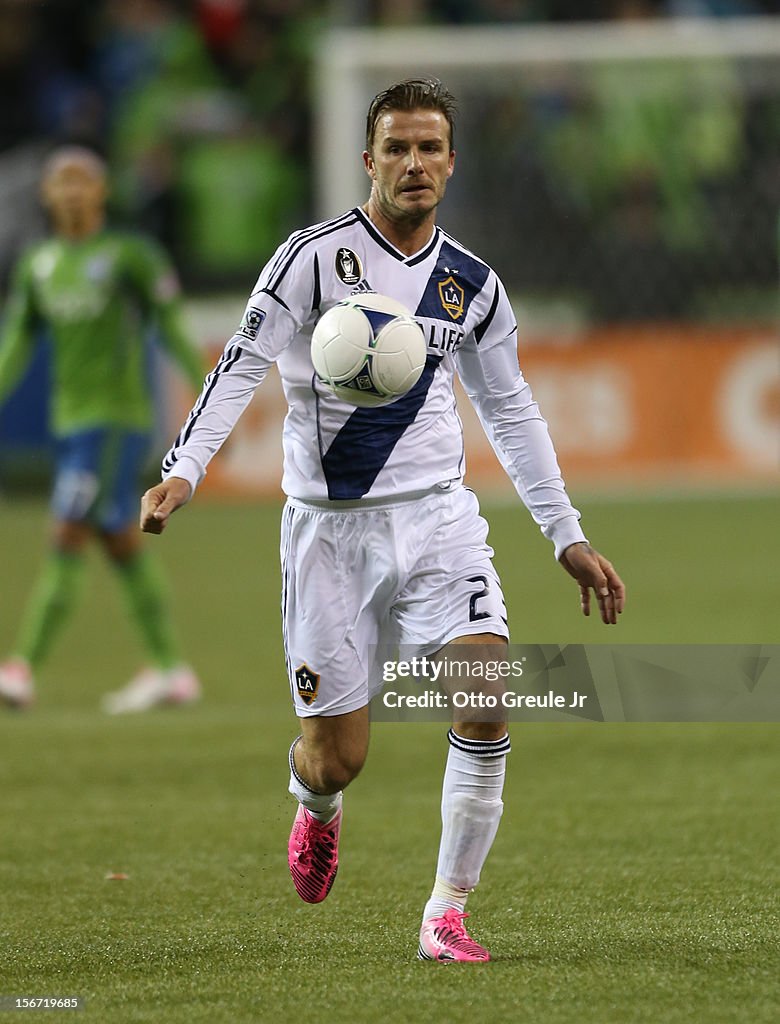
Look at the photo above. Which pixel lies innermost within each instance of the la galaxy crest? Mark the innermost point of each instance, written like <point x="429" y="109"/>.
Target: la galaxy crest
<point x="348" y="266"/>
<point x="452" y="297"/>
<point x="307" y="684"/>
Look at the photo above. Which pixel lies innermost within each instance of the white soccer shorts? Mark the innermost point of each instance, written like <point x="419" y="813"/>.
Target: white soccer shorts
<point x="415" y="572"/>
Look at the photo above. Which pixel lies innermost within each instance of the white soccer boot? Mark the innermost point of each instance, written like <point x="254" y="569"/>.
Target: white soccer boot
<point x="154" y="687"/>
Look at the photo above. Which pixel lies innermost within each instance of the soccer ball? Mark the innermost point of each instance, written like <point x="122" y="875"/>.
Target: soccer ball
<point x="368" y="350"/>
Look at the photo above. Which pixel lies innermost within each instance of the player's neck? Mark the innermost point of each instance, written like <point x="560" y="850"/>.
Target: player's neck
<point x="79" y="229"/>
<point x="407" y="236"/>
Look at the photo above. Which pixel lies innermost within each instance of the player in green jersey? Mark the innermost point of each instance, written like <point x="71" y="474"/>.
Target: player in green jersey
<point x="98" y="293"/>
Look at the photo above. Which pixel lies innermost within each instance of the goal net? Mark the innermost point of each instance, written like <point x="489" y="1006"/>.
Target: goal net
<point x="609" y="172"/>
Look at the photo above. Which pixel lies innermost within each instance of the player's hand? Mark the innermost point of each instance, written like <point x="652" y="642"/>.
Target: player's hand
<point x="159" y="502"/>
<point x="593" y="572"/>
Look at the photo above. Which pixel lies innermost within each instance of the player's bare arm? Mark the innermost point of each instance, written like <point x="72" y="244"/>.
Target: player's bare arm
<point x="159" y="502"/>
<point x="593" y="571"/>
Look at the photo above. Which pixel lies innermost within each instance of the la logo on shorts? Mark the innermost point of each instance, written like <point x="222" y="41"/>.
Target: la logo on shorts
<point x="307" y="684"/>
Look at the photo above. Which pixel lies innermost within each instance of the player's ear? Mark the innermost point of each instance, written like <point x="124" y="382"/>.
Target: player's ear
<point x="451" y="165"/>
<point x="368" y="163"/>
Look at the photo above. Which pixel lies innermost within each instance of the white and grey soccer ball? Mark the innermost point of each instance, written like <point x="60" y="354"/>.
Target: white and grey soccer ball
<point x="368" y="350"/>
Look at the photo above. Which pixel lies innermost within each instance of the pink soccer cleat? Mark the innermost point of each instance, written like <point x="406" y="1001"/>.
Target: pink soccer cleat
<point x="313" y="855"/>
<point x="17" y="689"/>
<point x="445" y="938"/>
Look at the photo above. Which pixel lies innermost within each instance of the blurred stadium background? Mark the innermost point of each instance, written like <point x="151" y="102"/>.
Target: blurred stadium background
<point x="619" y="164"/>
<point x="622" y="174"/>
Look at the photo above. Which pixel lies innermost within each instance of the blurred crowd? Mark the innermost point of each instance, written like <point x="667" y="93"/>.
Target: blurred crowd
<point x="202" y="107"/>
<point x="504" y="11"/>
<point x="73" y="66"/>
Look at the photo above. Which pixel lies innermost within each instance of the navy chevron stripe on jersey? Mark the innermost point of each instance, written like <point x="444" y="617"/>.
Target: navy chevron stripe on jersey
<point x="328" y="229"/>
<point x="364" y="444"/>
<point x="455" y="281"/>
<point x="228" y="359"/>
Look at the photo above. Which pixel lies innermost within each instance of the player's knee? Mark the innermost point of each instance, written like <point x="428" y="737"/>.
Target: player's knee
<point x="328" y="772"/>
<point x="70" y="538"/>
<point x="121" y="546"/>
<point x="338" y="775"/>
<point x="480" y="730"/>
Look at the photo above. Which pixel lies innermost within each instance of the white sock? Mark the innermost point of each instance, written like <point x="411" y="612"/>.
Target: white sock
<point x="322" y="806"/>
<point x="471" y="809"/>
<point x="444" y="897"/>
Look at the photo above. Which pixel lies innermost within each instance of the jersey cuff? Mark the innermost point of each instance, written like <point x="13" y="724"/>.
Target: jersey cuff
<point x="565" y="531"/>
<point x="186" y="469"/>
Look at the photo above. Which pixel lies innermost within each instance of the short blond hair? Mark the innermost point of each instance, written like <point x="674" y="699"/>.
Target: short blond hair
<point x="83" y="155"/>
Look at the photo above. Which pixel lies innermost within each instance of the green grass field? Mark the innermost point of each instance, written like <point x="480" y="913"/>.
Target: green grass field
<point x="634" y="878"/>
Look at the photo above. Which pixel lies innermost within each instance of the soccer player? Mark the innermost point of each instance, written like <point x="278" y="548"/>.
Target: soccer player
<point x="97" y="292"/>
<point x="380" y="540"/>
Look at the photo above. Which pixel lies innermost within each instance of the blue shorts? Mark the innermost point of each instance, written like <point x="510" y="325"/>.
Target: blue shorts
<point x="98" y="477"/>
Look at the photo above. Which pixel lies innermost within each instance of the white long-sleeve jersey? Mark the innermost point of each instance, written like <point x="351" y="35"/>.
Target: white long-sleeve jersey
<point x="335" y="452"/>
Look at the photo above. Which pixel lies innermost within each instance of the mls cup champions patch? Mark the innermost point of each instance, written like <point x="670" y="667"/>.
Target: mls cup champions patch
<point x="348" y="266"/>
<point x="307" y="683"/>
